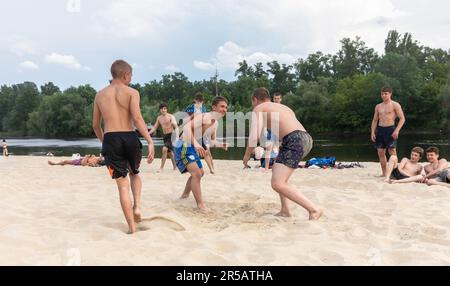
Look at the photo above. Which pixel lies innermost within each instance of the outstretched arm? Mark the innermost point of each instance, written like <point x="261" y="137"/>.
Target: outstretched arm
<point x="253" y="137"/>
<point x="155" y="126"/>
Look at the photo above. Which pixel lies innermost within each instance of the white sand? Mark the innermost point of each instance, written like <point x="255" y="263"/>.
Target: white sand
<point x="71" y="215"/>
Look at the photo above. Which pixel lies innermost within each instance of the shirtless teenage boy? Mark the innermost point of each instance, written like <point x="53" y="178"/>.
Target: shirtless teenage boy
<point x="406" y="168"/>
<point x="118" y="106"/>
<point x="188" y="148"/>
<point x="295" y="145"/>
<point x="383" y="131"/>
<point x="170" y="130"/>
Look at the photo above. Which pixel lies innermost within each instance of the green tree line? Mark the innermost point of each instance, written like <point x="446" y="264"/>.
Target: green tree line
<point x="329" y="93"/>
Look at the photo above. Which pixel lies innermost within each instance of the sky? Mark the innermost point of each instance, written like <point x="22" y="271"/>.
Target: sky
<point x="74" y="42"/>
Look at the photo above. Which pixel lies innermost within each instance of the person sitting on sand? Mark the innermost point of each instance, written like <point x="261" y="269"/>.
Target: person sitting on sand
<point x="406" y="168"/>
<point x="266" y="156"/>
<point x="296" y="144"/>
<point x="88" y="160"/>
<point x="434" y="171"/>
<point x="438" y="170"/>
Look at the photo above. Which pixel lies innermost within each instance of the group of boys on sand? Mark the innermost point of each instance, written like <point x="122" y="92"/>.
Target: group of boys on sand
<point x="117" y="105"/>
<point x="384" y="134"/>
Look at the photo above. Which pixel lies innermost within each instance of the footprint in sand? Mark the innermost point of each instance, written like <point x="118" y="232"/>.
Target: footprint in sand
<point x="158" y="222"/>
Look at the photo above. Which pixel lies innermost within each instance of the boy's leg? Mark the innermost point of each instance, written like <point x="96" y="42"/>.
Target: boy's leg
<point x="285" y="210"/>
<point x="196" y="176"/>
<point x="267" y="154"/>
<point x="125" y="202"/>
<point x="136" y="188"/>
<point x="187" y="189"/>
<point x="280" y="177"/>
<point x="437" y="183"/>
<point x="163" y="157"/>
<point x="172" y="158"/>
<point x="392" y="164"/>
<point x="413" y="179"/>
<point x="209" y="161"/>
<point x="383" y="160"/>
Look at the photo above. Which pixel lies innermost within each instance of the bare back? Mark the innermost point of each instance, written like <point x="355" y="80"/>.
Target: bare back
<point x="278" y="116"/>
<point x="114" y="104"/>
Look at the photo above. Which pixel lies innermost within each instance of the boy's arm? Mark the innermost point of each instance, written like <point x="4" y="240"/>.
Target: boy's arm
<point x="374" y="124"/>
<point x="140" y="123"/>
<point x="175" y="125"/>
<point x="401" y="122"/>
<point x="214" y="142"/>
<point x="155" y="127"/>
<point x="252" y="138"/>
<point x="443" y="164"/>
<point x="97" y="121"/>
<point x="402" y="164"/>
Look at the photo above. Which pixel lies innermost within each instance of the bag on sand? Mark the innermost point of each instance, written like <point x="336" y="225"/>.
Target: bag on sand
<point x="321" y="162"/>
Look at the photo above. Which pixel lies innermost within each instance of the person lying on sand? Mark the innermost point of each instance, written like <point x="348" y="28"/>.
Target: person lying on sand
<point x="88" y="160"/>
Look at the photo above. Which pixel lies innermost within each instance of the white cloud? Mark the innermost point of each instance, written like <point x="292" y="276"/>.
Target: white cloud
<point x="204" y="65"/>
<point x="23" y="48"/>
<point x="230" y="54"/>
<point x="137" y="18"/>
<point x="28" y="65"/>
<point x="68" y="61"/>
<point x="171" y="68"/>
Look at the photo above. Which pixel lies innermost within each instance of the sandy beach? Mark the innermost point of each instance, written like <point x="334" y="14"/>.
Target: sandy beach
<point x="72" y="216"/>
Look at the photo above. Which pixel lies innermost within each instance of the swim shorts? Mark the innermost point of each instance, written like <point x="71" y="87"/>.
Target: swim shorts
<point x="184" y="155"/>
<point x="384" y="138"/>
<point x="294" y="147"/>
<point x="122" y="152"/>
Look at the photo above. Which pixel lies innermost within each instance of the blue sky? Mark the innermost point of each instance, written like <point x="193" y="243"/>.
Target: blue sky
<point x="73" y="42"/>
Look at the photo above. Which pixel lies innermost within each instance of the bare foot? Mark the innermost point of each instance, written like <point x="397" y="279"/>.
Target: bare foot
<point x="137" y="215"/>
<point x="51" y="163"/>
<point x="159" y="171"/>
<point x="213" y="171"/>
<point x="284" y="214"/>
<point x="388" y="180"/>
<point x="393" y="182"/>
<point x="132" y="229"/>
<point x="203" y="209"/>
<point x="315" y="215"/>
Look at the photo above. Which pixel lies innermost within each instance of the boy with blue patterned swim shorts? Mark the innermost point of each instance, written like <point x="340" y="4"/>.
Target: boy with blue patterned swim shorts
<point x="188" y="148"/>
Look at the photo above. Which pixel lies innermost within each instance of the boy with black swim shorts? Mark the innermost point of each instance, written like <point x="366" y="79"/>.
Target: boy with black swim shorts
<point x="118" y="106"/>
<point x="383" y="131"/>
<point x="170" y="130"/>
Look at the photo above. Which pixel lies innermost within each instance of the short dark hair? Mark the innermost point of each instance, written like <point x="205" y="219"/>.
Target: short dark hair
<point x="119" y="68"/>
<point x="198" y="96"/>
<point x="277" y="94"/>
<point x="386" y="89"/>
<point x="216" y="100"/>
<point x="261" y="94"/>
<point x="418" y="150"/>
<point x="162" y="105"/>
<point x="433" y="149"/>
